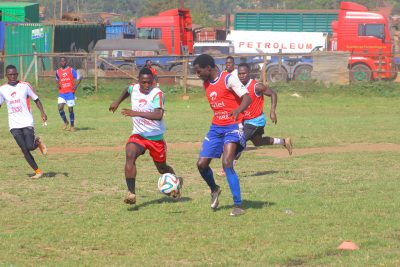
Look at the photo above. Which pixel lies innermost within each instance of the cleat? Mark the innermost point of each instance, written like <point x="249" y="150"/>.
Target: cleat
<point x="221" y="173"/>
<point x="65" y="125"/>
<point x="237" y="211"/>
<point x="288" y="145"/>
<point x="38" y="175"/>
<point x="214" y="198"/>
<point x="42" y="147"/>
<point x="72" y="129"/>
<point x="130" y="198"/>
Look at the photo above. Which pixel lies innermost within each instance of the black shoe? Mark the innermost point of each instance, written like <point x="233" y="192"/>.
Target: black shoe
<point x="237" y="211"/>
<point x="214" y="197"/>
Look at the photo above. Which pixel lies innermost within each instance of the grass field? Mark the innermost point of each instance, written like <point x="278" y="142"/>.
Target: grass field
<point x="298" y="209"/>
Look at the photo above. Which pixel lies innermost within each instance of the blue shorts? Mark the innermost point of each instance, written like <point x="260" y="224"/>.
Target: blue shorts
<point x="218" y="136"/>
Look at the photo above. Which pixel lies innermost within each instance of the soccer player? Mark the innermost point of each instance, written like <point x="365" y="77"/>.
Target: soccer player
<point x="148" y="129"/>
<point x="228" y="99"/>
<point x="16" y="94"/>
<point x="149" y="65"/>
<point x="67" y="86"/>
<point x="230" y="65"/>
<point x="254" y="117"/>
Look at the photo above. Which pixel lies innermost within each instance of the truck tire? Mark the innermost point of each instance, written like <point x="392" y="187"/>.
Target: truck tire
<point x="303" y="73"/>
<point x="360" y="72"/>
<point x="273" y="74"/>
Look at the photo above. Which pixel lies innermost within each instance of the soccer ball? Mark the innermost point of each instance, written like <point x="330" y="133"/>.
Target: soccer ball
<point x="169" y="184"/>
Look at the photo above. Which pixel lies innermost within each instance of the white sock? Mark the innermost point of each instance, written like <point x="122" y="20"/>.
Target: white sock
<point x="279" y="141"/>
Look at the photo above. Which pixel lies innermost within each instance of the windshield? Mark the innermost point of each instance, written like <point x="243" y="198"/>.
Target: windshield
<point x="149" y="33"/>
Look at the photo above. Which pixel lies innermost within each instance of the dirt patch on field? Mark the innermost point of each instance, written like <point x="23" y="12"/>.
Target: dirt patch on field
<point x="271" y="151"/>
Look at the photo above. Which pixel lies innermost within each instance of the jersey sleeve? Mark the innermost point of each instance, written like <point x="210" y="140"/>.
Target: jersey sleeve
<point x="31" y="93"/>
<point x="234" y="84"/>
<point x="57" y="78"/>
<point x="75" y="74"/>
<point x="130" y="89"/>
<point x="158" y="100"/>
<point x="1" y="99"/>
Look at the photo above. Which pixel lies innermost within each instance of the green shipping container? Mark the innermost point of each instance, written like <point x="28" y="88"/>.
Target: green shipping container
<point x="19" y="12"/>
<point x="19" y="39"/>
<point x="306" y="21"/>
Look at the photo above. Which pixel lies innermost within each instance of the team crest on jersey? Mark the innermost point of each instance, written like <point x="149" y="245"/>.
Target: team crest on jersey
<point x="213" y="95"/>
<point x="13" y="94"/>
<point x="142" y="102"/>
<point x="64" y="74"/>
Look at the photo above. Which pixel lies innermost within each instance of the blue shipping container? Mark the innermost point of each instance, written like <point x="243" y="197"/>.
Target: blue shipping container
<point x="2" y="34"/>
<point x="117" y="30"/>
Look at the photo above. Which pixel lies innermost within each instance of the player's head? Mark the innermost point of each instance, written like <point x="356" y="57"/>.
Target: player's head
<point x="230" y="64"/>
<point x="203" y="65"/>
<point x="12" y="74"/>
<point x="244" y="73"/>
<point x="149" y="63"/>
<point x="145" y="80"/>
<point x="63" y="62"/>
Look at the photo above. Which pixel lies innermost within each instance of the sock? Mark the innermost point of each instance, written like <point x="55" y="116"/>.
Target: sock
<point x="208" y="176"/>
<point x="279" y="141"/>
<point x="62" y="114"/>
<point x="234" y="185"/>
<point x="130" y="182"/>
<point x="72" y="118"/>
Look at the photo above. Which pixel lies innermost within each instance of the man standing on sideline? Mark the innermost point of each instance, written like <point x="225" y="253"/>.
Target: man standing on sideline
<point x="148" y="129"/>
<point x="16" y="94"/>
<point x="254" y="117"/>
<point x="149" y="65"/>
<point x="67" y="86"/>
<point x="228" y="99"/>
<point x="230" y="65"/>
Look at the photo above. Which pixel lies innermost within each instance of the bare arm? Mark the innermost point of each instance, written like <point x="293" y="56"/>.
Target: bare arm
<point x="40" y="107"/>
<point x="156" y="115"/>
<point x="114" y="105"/>
<point x="246" y="101"/>
<point x="265" y="90"/>
<point x="78" y="82"/>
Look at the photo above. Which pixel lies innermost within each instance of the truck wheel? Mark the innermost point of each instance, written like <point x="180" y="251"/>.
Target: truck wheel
<point x="360" y="72"/>
<point x="303" y="73"/>
<point x="177" y="69"/>
<point x="274" y="76"/>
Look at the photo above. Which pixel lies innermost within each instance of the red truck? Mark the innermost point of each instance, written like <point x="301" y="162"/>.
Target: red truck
<point x="173" y="27"/>
<point x="366" y="35"/>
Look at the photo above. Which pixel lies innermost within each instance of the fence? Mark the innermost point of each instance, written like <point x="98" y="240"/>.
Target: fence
<point x="329" y="67"/>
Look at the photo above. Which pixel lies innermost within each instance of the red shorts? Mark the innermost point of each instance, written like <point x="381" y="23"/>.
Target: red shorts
<point x="157" y="149"/>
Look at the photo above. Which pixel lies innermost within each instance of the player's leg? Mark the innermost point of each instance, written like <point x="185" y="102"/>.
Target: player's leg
<point x="132" y="152"/>
<point x="71" y="118"/>
<point x="259" y="140"/>
<point x="61" y="103"/>
<point x="19" y="137"/>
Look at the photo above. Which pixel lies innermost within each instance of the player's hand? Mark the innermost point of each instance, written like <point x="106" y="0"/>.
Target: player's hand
<point x="113" y="107"/>
<point x="44" y="117"/>
<point x="128" y="112"/>
<point x="235" y="114"/>
<point x="273" y="117"/>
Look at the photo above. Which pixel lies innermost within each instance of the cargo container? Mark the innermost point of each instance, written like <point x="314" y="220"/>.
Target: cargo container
<point x="77" y="37"/>
<point x="209" y="34"/>
<point x="19" y="39"/>
<point x="286" y="20"/>
<point x="19" y="12"/>
<point x="120" y="30"/>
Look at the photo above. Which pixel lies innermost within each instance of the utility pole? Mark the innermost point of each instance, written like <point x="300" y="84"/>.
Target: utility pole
<point x="61" y="8"/>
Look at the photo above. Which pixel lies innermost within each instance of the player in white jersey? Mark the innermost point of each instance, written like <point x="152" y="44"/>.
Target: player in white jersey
<point x="148" y="129"/>
<point x="16" y="94"/>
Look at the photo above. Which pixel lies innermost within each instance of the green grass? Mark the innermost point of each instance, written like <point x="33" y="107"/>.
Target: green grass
<point x="299" y="209"/>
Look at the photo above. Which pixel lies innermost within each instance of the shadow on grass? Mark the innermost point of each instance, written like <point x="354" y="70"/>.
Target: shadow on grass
<point x="159" y="201"/>
<point x="84" y="128"/>
<point x="51" y="174"/>
<point x="263" y="173"/>
<point x="251" y="204"/>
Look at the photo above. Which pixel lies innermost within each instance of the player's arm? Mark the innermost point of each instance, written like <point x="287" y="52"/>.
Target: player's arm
<point x="77" y="78"/>
<point x="114" y="105"/>
<point x="32" y="94"/>
<point x="265" y="90"/>
<point x="57" y="80"/>
<point x="237" y="87"/>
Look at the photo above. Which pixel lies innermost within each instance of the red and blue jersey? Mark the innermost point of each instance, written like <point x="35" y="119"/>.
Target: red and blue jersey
<point x="65" y="78"/>
<point x="257" y="101"/>
<point x="222" y="100"/>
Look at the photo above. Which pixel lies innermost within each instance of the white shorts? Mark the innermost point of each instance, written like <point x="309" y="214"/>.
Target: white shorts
<point x="70" y="103"/>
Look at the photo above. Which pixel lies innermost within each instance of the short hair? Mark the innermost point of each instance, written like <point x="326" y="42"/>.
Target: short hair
<point x="63" y="58"/>
<point x="230" y="57"/>
<point x="204" y="60"/>
<point x="11" y="67"/>
<point x="147" y="61"/>
<point x="145" y="71"/>
<point x="244" y="64"/>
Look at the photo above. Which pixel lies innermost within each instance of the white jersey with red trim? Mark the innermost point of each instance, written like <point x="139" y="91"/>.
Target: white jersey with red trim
<point x="146" y="103"/>
<point x="18" y="104"/>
